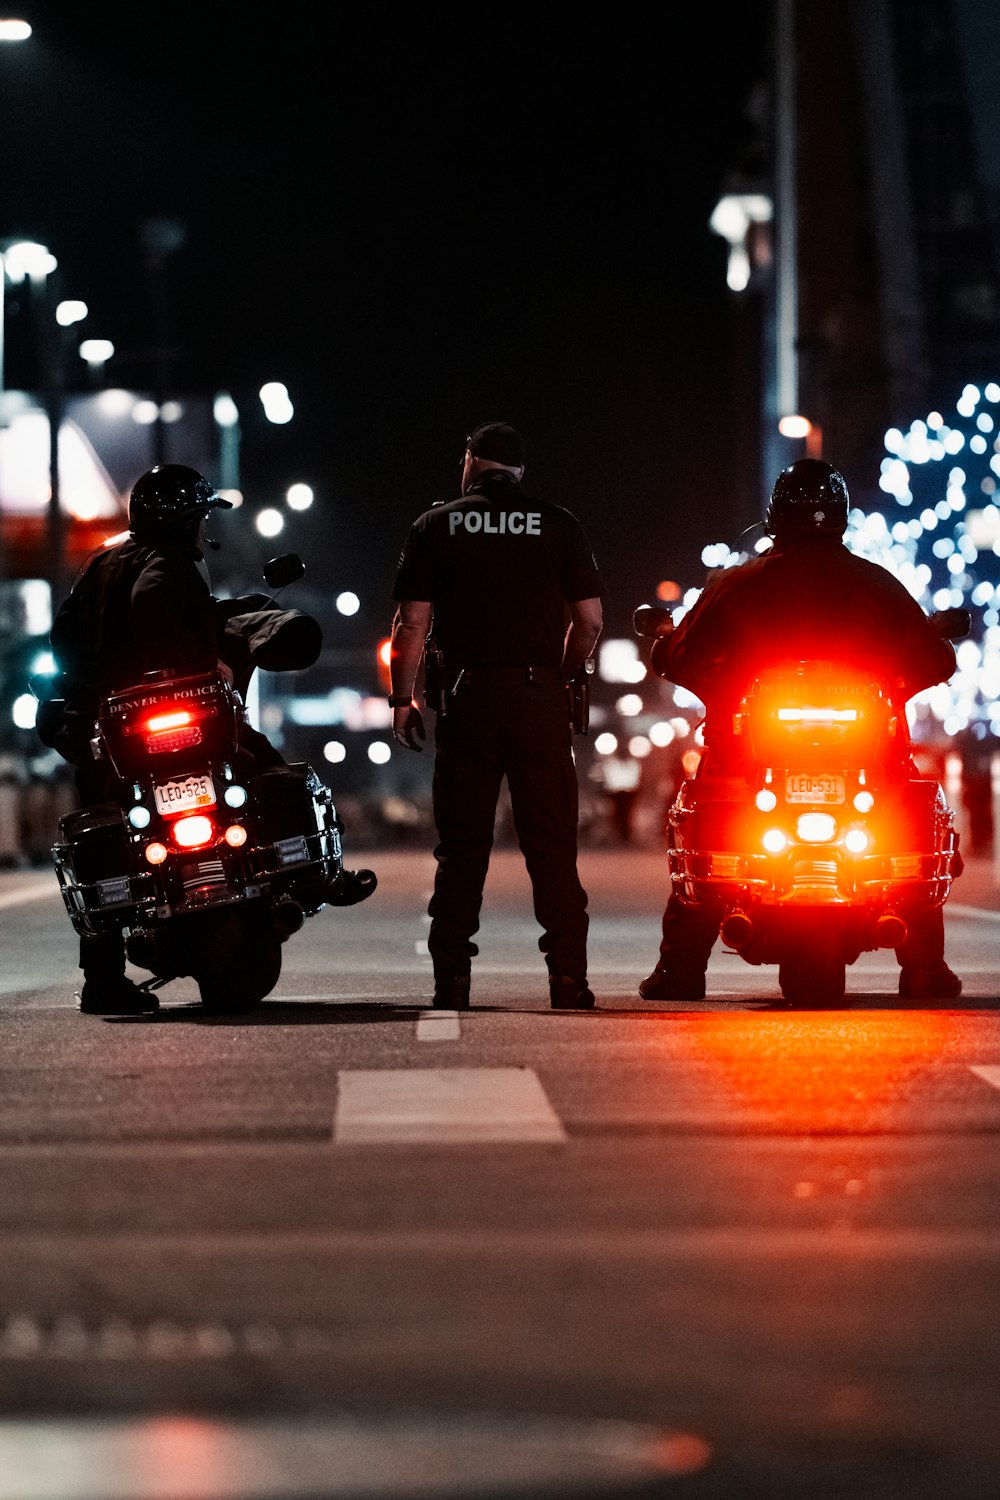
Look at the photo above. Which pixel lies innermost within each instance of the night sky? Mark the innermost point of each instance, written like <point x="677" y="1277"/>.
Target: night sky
<point x="417" y="221"/>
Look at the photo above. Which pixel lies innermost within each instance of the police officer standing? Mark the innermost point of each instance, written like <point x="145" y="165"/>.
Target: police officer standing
<point x="509" y="587"/>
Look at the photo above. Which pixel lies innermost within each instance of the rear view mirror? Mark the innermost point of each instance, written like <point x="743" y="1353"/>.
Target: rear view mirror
<point x="952" y="624"/>
<point x="280" y="571"/>
<point x="652" y="620"/>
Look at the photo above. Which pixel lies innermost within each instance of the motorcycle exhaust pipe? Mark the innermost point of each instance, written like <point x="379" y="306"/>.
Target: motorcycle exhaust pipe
<point x="736" y="930"/>
<point x="890" y="931"/>
<point x="288" y="916"/>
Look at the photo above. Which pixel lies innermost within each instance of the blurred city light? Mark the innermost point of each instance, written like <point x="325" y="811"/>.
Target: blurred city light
<point x="606" y="744"/>
<point x="299" y="497"/>
<point x="24" y="710"/>
<point x="225" y="410"/>
<point x="70" y="312"/>
<point x="334" y="751"/>
<point x="661" y="734"/>
<point x="795" y="427"/>
<point x="379" y="752"/>
<point x="618" y="661"/>
<point x="347" y="603"/>
<point x="270" y="522"/>
<point x="14" y="31"/>
<point x="276" y="403"/>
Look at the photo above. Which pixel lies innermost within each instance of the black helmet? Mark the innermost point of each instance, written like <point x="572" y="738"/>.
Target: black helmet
<point x="809" y="499"/>
<point x="169" y="500"/>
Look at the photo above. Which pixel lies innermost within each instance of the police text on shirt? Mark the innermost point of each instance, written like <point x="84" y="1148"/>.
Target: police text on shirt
<point x="517" y="522"/>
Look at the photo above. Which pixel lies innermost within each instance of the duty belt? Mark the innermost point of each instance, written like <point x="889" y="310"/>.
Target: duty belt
<point x="498" y="677"/>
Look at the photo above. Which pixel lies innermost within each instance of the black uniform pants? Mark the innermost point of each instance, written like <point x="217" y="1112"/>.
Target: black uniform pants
<point x="501" y="724"/>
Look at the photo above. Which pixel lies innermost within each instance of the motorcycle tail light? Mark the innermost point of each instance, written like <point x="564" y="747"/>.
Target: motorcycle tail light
<point x="774" y="841"/>
<point x="817" y="715"/>
<point x="159" y="722"/>
<point x="816" y="828"/>
<point x="192" y="832"/>
<point x="155" y="853"/>
<point x="235" y="835"/>
<point x="856" y="840"/>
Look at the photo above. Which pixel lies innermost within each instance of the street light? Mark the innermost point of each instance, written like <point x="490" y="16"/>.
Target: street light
<point x="96" y="353"/>
<point x="21" y="260"/>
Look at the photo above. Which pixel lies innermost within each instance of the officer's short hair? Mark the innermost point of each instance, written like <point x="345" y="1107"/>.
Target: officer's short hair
<point x="498" y="442"/>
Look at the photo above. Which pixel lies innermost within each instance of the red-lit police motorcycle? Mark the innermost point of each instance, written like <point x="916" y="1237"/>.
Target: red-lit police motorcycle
<point x="828" y="842"/>
<point x="207" y="863"/>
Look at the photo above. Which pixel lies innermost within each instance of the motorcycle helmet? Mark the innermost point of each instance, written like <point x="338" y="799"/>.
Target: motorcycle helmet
<point x="170" y="500"/>
<point x="809" y="498"/>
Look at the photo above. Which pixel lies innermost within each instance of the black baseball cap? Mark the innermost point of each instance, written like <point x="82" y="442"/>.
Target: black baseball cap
<point x="498" y="442"/>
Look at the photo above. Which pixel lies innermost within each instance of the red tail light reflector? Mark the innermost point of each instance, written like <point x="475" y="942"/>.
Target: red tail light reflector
<point x="193" y="832"/>
<point x="235" y="835"/>
<point x="156" y="853"/>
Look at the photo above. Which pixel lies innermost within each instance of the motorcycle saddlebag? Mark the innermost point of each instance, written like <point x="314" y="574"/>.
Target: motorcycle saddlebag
<point x="287" y="798"/>
<point x="97" y="842"/>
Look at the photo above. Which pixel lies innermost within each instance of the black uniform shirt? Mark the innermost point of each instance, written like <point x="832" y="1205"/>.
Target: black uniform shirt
<point x="499" y="569"/>
<point x="136" y="608"/>
<point x="810" y="599"/>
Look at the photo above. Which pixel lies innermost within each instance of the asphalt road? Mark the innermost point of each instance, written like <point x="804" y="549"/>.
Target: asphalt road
<point x="349" y="1247"/>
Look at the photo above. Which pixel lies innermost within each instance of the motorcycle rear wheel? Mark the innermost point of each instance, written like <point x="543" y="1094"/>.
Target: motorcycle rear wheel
<point x="240" y="963"/>
<point x="815" y="977"/>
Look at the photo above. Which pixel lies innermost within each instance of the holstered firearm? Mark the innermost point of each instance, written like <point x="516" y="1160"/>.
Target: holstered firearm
<point x="578" y="697"/>
<point x="435" y="680"/>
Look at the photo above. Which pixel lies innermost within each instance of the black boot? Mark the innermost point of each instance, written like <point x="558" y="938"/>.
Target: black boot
<point x="106" y="990"/>
<point x="115" y="995"/>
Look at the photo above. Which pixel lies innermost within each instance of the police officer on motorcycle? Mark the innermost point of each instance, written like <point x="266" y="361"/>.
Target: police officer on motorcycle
<point x="143" y="605"/>
<point x="808" y="596"/>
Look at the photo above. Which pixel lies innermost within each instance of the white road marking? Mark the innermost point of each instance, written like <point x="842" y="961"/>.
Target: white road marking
<point x="989" y="1073"/>
<point x="421" y="948"/>
<point x="35" y="890"/>
<point x="164" y="1457"/>
<point x="653" y="1246"/>
<point x="443" y="1106"/>
<point x="438" y="1026"/>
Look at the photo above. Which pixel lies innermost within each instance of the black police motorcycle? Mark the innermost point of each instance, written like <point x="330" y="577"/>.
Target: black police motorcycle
<point x="826" y="843"/>
<point x="206" y="862"/>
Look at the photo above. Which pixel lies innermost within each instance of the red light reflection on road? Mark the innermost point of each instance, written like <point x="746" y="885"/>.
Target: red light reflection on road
<point x="809" y="1071"/>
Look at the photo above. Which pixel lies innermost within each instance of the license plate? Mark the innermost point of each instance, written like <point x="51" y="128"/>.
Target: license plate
<point x="804" y="788"/>
<point x="182" y="795"/>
